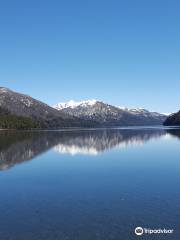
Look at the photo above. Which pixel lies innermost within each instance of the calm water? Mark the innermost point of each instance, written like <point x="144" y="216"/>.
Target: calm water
<point x="89" y="184"/>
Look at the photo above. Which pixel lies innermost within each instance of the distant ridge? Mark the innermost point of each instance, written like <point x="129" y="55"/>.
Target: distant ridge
<point x="22" y="111"/>
<point x="109" y="115"/>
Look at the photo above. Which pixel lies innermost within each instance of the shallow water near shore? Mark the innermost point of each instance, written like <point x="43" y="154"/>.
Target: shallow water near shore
<point x="89" y="184"/>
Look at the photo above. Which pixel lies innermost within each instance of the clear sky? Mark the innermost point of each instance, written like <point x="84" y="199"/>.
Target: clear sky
<point x="122" y="52"/>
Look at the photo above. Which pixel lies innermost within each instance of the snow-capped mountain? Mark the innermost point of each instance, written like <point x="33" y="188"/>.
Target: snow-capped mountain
<point x="73" y="104"/>
<point x="144" y="112"/>
<point x="108" y="115"/>
<point x="17" y="107"/>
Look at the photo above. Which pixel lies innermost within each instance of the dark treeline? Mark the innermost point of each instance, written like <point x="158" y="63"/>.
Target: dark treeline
<point x="10" y="121"/>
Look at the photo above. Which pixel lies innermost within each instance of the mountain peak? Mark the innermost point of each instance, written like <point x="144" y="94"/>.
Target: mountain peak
<point x="3" y="90"/>
<point x="73" y="104"/>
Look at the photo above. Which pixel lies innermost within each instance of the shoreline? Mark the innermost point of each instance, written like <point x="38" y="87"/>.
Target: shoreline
<point x="95" y="128"/>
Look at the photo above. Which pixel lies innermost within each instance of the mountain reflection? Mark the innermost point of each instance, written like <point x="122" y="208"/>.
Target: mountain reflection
<point x="175" y="132"/>
<point x="17" y="146"/>
<point x="94" y="142"/>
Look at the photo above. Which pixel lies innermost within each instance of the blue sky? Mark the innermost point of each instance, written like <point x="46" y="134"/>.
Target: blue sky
<point x="122" y="52"/>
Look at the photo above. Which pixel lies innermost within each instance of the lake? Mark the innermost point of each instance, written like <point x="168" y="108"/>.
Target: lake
<point x="96" y="184"/>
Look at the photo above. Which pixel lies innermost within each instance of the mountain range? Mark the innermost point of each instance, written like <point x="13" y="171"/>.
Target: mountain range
<point x="23" y="112"/>
<point x="108" y="115"/>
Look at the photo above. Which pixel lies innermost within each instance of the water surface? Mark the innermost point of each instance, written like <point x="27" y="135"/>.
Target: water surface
<point x="89" y="184"/>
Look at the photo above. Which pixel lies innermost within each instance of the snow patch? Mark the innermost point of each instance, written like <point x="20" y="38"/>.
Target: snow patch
<point x="73" y="104"/>
<point x="27" y="102"/>
<point x="166" y="114"/>
<point x="3" y="90"/>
